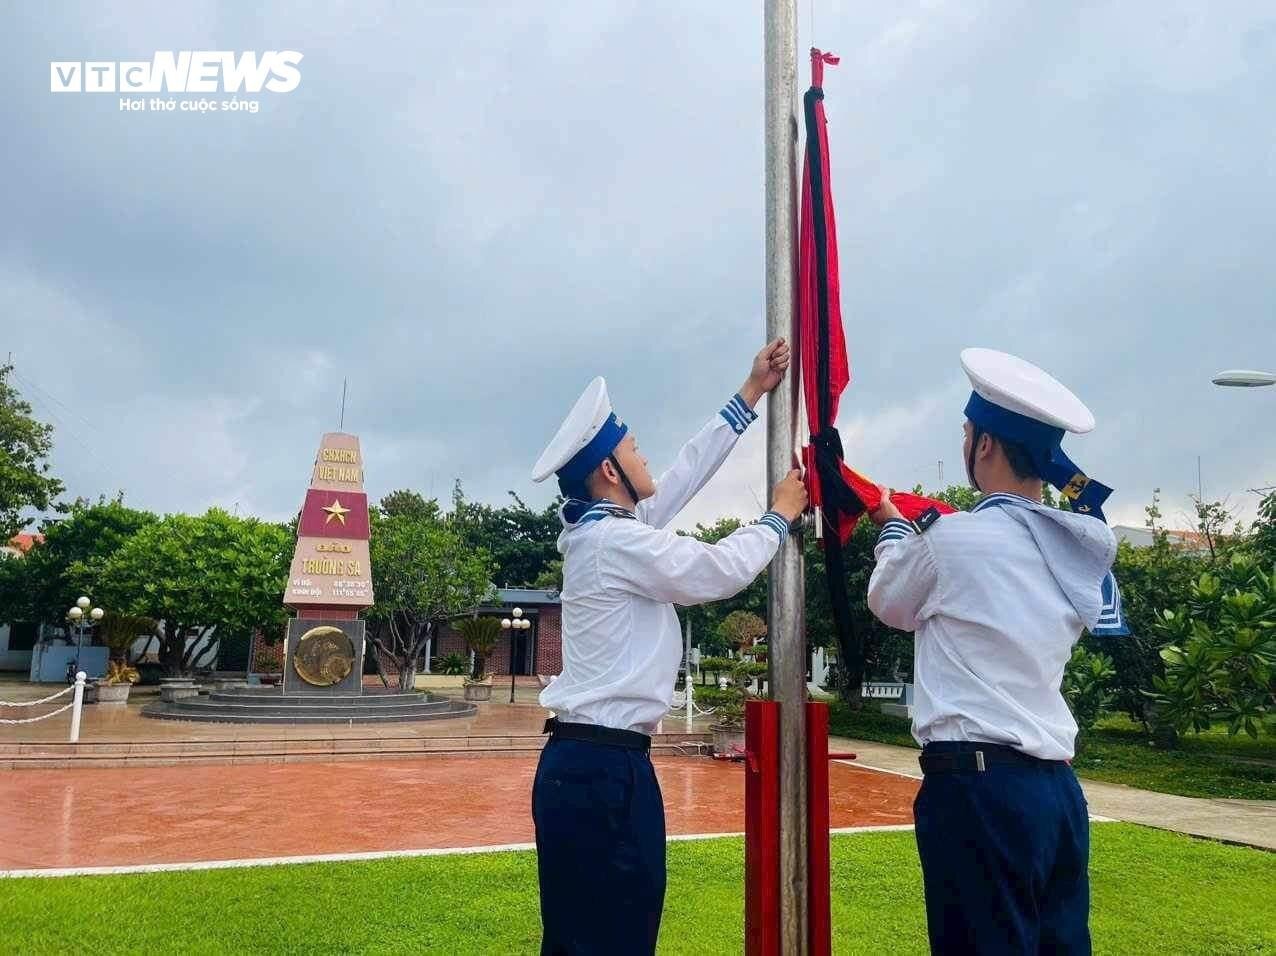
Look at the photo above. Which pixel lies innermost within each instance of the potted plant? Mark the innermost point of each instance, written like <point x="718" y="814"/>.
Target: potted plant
<point x="728" y="729"/>
<point x="744" y="631"/>
<point x="480" y="635"/>
<point x="114" y="687"/>
<point x="118" y="632"/>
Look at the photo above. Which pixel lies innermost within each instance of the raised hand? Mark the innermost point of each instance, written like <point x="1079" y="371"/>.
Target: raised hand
<point x="768" y="370"/>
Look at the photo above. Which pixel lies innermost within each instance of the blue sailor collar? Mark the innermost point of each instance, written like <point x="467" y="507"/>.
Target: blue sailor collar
<point x="577" y="511"/>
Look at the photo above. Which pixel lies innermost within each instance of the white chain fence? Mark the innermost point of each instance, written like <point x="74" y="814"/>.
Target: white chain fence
<point x="43" y="700"/>
<point x="75" y="706"/>
<point x="31" y="720"/>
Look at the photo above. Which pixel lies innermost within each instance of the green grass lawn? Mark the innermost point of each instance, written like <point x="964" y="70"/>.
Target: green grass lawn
<point x="1211" y="764"/>
<point x="869" y="724"/>
<point x="1153" y="892"/>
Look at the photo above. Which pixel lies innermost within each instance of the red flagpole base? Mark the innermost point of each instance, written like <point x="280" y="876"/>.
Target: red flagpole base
<point x="819" y="913"/>
<point x="762" y="828"/>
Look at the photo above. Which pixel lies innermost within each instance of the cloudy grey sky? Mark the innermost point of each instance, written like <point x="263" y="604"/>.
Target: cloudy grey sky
<point x="470" y="209"/>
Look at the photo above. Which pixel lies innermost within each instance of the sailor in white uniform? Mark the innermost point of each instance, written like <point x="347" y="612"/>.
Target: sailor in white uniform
<point x="596" y="803"/>
<point x="997" y="598"/>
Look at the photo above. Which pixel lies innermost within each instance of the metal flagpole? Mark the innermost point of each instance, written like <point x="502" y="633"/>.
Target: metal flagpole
<point x="785" y="637"/>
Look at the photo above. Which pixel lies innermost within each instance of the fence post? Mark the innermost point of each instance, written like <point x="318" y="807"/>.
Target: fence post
<point x="76" y="706"/>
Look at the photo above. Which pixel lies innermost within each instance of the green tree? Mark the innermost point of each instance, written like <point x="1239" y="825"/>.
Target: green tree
<point x="70" y="560"/>
<point x="523" y="543"/>
<point x="15" y="593"/>
<point x="1220" y="657"/>
<point x="480" y="635"/>
<point x="1212" y="520"/>
<point x="1264" y="530"/>
<point x="423" y="572"/>
<point x="120" y="632"/>
<point x="25" y="443"/>
<point x="1151" y="578"/>
<point x="551" y="579"/>
<point x="961" y="497"/>
<point x="1085" y="688"/>
<point x="859" y="654"/>
<point x="197" y="575"/>
<point x="706" y="619"/>
<point x="742" y="672"/>
<point x="712" y="667"/>
<point x="742" y="630"/>
<point x="405" y="502"/>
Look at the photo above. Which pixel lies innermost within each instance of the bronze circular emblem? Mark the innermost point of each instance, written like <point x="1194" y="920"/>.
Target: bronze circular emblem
<point x="324" y="656"/>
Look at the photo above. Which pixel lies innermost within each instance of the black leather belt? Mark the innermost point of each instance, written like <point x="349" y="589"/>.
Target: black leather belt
<point x="970" y="756"/>
<point x="592" y="733"/>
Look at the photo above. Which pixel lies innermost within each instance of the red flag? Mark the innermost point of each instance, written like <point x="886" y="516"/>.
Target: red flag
<point x="842" y="494"/>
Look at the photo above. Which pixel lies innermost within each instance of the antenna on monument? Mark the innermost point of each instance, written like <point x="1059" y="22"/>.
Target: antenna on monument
<point x="342" y="424"/>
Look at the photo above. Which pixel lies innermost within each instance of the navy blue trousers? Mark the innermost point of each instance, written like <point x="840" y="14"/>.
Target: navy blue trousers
<point x="1005" y="856"/>
<point x="600" y="845"/>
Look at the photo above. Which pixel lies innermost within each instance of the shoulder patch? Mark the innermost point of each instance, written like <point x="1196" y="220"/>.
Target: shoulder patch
<point x="926" y="519"/>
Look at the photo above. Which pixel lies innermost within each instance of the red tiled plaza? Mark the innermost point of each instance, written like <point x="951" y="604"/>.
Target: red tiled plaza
<point x="177" y="814"/>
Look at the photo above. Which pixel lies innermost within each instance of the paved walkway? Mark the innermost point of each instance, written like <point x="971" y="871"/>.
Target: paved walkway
<point x="1237" y="821"/>
<point x="145" y="815"/>
<point x="118" y="723"/>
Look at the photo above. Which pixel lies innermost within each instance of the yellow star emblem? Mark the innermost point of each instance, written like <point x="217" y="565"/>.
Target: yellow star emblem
<point x="336" y="511"/>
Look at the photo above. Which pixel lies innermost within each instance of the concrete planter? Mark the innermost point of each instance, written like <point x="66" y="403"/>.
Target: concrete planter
<point x="478" y="691"/>
<point x="113" y="693"/>
<point x="727" y="741"/>
<point x="438" y="682"/>
<point x="177" y="688"/>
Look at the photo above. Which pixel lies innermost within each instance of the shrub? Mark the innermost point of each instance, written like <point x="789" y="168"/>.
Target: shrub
<point x="1220" y="659"/>
<point x="480" y="635"/>
<point x="1085" y="687"/>
<point x="450" y="664"/>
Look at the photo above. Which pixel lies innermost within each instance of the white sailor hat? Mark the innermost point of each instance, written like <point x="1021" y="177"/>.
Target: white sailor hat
<point x="1016" y="401"/>
<point x="587" y="436"/>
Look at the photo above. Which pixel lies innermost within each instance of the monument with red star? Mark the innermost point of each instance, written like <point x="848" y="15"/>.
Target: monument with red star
<point x="330" y="580"/>
<point x="329" y="584"/>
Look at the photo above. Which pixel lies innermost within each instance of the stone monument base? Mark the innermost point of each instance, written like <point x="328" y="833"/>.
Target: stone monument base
<point x="268" y="705"/>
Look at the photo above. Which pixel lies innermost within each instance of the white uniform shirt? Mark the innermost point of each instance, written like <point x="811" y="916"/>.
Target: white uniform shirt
<point x="997" y="598"/>
<point x="622" y="574"/>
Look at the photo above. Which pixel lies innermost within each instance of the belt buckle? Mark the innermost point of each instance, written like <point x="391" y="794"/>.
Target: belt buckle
<point x="979" y="761"/>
